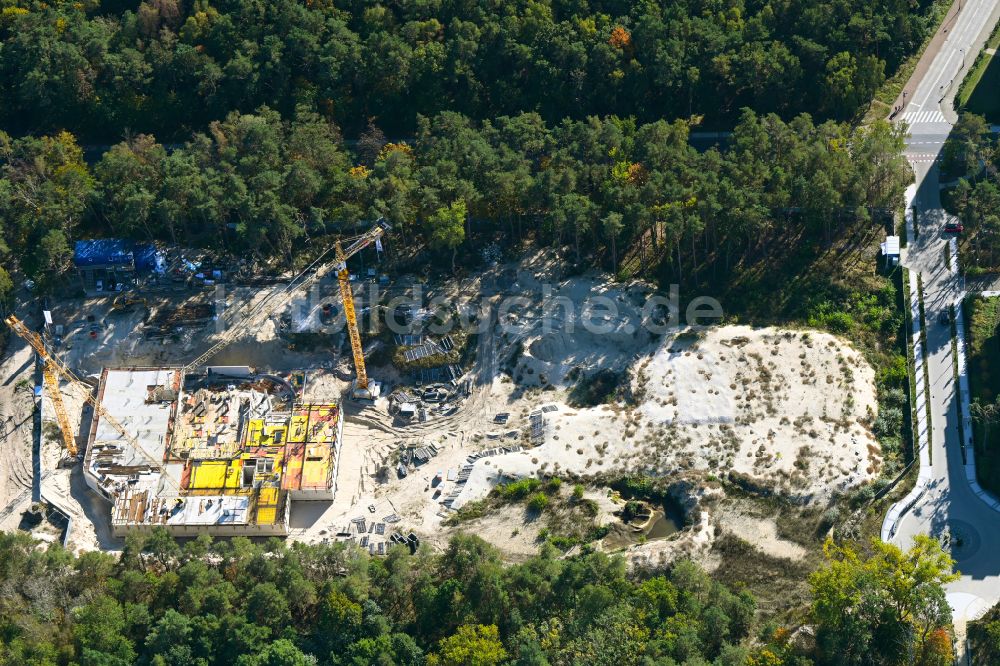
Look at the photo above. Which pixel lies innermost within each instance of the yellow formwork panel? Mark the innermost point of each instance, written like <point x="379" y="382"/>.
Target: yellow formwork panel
<point x="267" y="496"/>
<point x="274" y="435"/>
<point x="267" y="515"/>
<point x="215" y="474"/>
<point x="254" y="432"/>
<point x="315" y="472"/>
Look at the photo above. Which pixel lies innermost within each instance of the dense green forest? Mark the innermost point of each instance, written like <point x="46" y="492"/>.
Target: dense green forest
<point x="561" y="121"/>
<point x="638" y="197"/>
<point x="235" y="602"/>
<point x="169" y="67"/>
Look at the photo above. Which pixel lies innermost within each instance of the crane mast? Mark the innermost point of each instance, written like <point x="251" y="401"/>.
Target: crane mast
<point x="56" y="367"/>
<point x="51" y="377"/>
<point x="363" y="389"/>
<point x="347" y="296"/>
<point x="52" y="384"/>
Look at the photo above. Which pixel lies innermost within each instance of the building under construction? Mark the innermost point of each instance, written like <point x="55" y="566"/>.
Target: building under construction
<point x="234" y="450"/>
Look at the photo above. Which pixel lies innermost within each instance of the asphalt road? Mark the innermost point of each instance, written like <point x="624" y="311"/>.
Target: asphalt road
<point x="948" y="509"/>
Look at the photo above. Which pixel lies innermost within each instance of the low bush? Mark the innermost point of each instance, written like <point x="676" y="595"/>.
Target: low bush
<point x="538" y="502"/>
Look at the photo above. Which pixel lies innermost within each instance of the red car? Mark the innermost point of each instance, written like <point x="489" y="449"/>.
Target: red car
<point x="953" y="227"/>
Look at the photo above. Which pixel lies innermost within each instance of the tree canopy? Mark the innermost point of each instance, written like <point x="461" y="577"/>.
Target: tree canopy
<point x="635" y="197"/>
<point x="236" y="602"/>
<point x="168" y="67"/>
<point x="887" y="609"/>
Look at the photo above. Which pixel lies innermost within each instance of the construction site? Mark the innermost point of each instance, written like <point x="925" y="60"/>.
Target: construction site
<point x="255" y="414"/>
<point x="235" y="454"/>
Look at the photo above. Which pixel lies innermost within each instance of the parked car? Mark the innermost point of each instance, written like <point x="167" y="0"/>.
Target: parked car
<point x="953" y="227"/>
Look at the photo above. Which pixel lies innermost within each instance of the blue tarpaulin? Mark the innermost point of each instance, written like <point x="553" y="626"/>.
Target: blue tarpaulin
<point x="145" y="256"/>
<point x="114" y="252"/>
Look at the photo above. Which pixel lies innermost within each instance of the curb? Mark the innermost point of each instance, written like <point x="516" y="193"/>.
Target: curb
<point x="964" y="400"/>
<point x="920" y="428"/>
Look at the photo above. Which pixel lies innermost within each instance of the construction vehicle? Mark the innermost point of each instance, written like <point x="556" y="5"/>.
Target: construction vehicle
<point x="363" y="388"/>
<point x="127" y="303"/>
<point x="54" y="370"/>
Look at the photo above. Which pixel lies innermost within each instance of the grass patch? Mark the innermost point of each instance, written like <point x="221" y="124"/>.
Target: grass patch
<point x="517" y="490"/>
<point x="529" y="489"/>
<point x="910" y="361"/>
<point x="780" y="586"/>
<point x="926" y="372"/>
<point x="569" y="520"/>
<point x="982" y="316"/>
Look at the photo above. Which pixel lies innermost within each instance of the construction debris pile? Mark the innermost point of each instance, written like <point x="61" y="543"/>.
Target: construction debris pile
<point x="170" y="321"/>
<point x="411" y="405"/>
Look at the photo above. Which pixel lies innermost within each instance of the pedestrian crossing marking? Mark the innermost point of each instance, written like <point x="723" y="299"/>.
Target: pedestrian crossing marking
<point x="915" y="117"/>
<point x="924" y="157"/>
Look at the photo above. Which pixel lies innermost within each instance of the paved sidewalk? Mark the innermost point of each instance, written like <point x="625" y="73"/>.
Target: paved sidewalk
<point x="921" y="427"/>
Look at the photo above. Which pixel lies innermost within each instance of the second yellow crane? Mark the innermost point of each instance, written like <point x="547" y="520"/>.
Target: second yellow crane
<point x="53" y="370"/>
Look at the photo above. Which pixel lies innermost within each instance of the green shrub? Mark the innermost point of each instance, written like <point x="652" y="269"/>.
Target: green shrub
<point x="518" y="490"/>
<point x="894" y="372"/>
<point x="638" y="486"/>
<point x="578" y="492"/>
<point x="553" y="485"/>
<point x="591" y="391"/>
<point x="538" y="502"/>
<point x="631" y="510"/>
<point x="597" y="533"/>
<point x="564" y="543"/>
<point x="839" y="322"/>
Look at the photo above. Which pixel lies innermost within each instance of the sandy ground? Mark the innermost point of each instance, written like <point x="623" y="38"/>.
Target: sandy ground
<point x="16" y="425"/>
<point x="789" y="410"/>
<point x="786" y="410"/>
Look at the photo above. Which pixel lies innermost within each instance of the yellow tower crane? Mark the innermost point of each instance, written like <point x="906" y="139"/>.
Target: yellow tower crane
<point x="51" y="376"/>
<point x="54" y="369"/>
<point x="363" y="388"/>
<point x="52" y="384"/>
